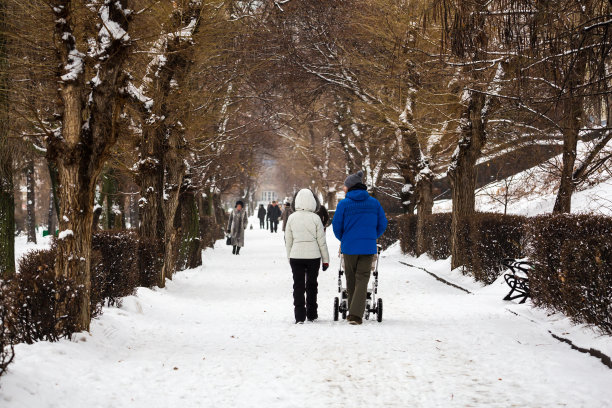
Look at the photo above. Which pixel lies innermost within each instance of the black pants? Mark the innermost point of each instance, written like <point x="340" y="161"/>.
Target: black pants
<point x="305" y="274"/>
<point x="273" y="226"/>
<point x="261" y="223"/>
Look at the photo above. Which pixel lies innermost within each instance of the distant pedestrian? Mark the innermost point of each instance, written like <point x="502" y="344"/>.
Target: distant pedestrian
<point x="261" y="214"/>
<point x="236" y="225"/>
<point x="324" y="215"/>
<point x="358" y="222"/>
<point x="306" y="248"/>
<point x="287" y="211"/>
<point x="274" y="214"/>
<point x="268" y="215"/>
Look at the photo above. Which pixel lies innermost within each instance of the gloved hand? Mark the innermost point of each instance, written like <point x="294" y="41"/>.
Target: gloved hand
<point x="325" y="266"/>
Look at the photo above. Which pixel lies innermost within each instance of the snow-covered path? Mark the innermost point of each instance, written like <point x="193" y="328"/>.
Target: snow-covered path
<point x="223" y="336"/>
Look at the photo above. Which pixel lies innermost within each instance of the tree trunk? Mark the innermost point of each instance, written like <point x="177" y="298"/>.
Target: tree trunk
<point x="31" y="201"/>
<point x="462" y="175"/>
<point x="89" y="129"/>
<point x="175" y="171"/>
<point x="424" y="208"/>
<point x="191" y="245"/>
<point x="331" y="200"/>
<point x="7" y="209"/>
<point x="51" y="217"/>
<point x="74" y="239"/>
<point x="7" y="198"/>
<point x="563" y="202"/>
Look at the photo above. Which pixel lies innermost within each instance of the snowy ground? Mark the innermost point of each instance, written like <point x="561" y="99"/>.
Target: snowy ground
<point x="223" y="335"/>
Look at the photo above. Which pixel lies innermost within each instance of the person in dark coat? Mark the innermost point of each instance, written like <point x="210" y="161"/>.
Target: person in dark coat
<point x="261" y="214"/>
<point x="358" y="222"/>
<point x="324" y="215"/>
<point x="236" y="225"/>
<point x="274" y="214"/>
<point x="268" y="212"/>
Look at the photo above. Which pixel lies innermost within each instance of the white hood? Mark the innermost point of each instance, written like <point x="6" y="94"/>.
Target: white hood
<point x="304" y="200"/>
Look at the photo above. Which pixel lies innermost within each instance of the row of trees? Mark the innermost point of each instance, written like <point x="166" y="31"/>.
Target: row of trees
<point x="412" y="91"/>
<point x="138" y="98"/>
<point x="174" y="103"/>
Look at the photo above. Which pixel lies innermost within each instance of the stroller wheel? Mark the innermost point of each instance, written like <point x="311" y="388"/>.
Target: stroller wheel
<point x="336" y="308"/>
<point x="344" y="310"/>
<point x="379" y="310"/>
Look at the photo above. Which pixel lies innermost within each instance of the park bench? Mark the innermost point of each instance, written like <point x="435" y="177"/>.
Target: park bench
<point x="517" y="279"/>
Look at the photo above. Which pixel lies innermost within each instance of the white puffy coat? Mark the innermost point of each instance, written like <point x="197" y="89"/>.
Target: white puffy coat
<point x="304" y="234"/>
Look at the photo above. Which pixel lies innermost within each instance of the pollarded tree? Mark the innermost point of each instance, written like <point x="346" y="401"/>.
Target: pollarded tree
<point x="90" y="77"/>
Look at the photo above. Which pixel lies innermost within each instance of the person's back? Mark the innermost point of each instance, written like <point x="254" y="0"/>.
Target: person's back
<point x="261" y="214"/>
<point x="306" y="249"/>
<point x="358" y="222"/>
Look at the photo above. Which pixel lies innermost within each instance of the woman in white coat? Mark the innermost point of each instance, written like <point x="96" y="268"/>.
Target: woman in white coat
<point x="306" y="248"/>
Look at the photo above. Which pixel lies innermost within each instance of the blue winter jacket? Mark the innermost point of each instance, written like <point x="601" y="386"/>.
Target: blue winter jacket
<point x="358" y="222"/>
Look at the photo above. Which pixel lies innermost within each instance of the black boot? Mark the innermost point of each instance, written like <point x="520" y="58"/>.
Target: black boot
<point x="237" y="250"/>
<point x="234" y="250"/>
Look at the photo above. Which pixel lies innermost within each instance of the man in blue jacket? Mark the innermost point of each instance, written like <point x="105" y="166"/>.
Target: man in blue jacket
<point x="358" y="222"/>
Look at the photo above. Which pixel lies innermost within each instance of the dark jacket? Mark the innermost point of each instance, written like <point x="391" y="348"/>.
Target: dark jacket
<point x="261" y="214"/>
<point x="324" y="215"/>
<point x="268" y="211"/>
<point x="358" y="222"/>
<point x="285" y="215"/>
<point x="274" y="213"/>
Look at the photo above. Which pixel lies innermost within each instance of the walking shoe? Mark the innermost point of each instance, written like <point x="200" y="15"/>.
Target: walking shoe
<point x="299" y="322"/>
<point x="312" y="320"/>
<point x="350" y="318"/>
<point x="355" y="320"/>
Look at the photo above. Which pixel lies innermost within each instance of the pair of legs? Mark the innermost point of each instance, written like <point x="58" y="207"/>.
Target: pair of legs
<point x="305" y="274"/>
<point x="261" y="223"/>
<point x="273" y="226"/>
<point x="236" y="250"/>
<point x="357" y="269"/>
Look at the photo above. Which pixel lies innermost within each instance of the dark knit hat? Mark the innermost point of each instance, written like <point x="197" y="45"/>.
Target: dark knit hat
<point x="239" y="203"/>
<point x="354" y="179"/>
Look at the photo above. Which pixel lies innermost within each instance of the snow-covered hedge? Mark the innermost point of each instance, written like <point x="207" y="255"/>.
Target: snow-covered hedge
<point x="437" y="234"/>
<point x="7" y="353"/>
<point x="114" y="268"/>
<point x="120" y="263"/>
<point x="391" y="235"/>
<point x="492" y="237"/>
<point x="407" y="233"/>
<point x="33" y="298"/>
<point x="573" y="266"/>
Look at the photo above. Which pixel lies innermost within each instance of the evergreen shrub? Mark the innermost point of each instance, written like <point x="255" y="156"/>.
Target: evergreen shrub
<point x="491" y="238"/>
<point x="572" y="257"/>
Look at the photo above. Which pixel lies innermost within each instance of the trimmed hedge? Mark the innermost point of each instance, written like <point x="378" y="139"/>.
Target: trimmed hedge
<point x="391" y="234"/>
<point x="491" y="238"/>
<point x="114" y="268"/>
<point x="33" y="298"/>
<point x="437" y="232"/>
<point x="7" y="338"/>
<point x="407" y="225"/>
<point x="572" y="257"/>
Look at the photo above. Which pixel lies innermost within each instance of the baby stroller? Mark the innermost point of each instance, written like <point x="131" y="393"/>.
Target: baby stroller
<point x="373" y="305"/>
